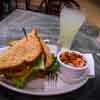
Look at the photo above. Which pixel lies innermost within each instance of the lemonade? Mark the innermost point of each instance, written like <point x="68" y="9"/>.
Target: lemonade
<point x="70" y="22"/>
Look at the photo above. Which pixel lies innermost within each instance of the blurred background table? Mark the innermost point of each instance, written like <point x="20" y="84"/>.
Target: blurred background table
<point x="91" y="8"/>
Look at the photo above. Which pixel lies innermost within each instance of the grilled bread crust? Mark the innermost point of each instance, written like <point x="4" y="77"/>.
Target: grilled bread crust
<point x="47" y="53"/>
<point x="22" y="51"/>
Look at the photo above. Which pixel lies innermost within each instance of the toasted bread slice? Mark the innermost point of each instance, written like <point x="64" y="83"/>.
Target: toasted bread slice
<point x="29" y="37"/>
<point x="47" y="52"/>
<point x="25" y="50"/>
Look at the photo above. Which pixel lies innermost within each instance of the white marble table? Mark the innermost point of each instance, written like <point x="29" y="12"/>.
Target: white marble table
<point x="11" y="27"/>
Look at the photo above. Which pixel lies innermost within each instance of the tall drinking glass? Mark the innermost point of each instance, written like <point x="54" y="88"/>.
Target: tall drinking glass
<point x="70" y="22"/>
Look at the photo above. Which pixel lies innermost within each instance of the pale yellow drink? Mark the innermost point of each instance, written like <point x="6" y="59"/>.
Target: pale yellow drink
<point x="70" y="22"/>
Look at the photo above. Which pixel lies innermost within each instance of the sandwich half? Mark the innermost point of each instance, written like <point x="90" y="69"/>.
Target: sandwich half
<point x="25" y="55"/>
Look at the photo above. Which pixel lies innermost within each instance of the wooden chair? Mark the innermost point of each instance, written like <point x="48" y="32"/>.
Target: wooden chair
<point x="26" y="3"/>
<point x="54" y="6"/>
<point x="51" y="7"/>
<point x="31" y="5"/>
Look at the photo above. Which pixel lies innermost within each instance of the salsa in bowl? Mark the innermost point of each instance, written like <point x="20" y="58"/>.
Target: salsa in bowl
<point x="72" y="59"/>
<point x="72" y="63"/>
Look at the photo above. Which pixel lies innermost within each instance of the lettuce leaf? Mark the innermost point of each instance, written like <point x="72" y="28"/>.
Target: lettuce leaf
<point x="21" y="82"/>
<point x="36" y="67"/>
<point x="55" y="66"/>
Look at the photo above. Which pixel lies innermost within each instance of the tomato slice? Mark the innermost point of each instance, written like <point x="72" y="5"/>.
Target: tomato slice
<point x="19" y="73"/>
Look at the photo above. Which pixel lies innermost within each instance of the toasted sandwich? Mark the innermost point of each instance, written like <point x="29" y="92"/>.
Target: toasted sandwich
<point x="20" y="57"/>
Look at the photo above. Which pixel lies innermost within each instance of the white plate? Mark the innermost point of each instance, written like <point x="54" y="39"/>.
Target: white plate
<point x="42" y="87"/>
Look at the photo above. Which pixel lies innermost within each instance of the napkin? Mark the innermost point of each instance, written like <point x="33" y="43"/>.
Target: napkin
<point x="91" y="65"/>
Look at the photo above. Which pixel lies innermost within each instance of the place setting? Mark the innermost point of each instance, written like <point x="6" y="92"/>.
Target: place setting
<point x="36" y="66"/>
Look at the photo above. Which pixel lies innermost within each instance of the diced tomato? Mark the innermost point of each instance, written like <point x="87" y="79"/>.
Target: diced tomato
<point x="75" y="59"/>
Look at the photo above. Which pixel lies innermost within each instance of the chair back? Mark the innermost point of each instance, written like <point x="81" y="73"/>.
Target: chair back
<point x="54" y="6"/>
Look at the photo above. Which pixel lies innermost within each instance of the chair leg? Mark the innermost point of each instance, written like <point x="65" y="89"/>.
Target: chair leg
<point x="76" y="4"/>
<point x="70" y="3"/>
<point x="27" y="4"/>
<point x="16" y="2"/>
<point x="45" y="2"/>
